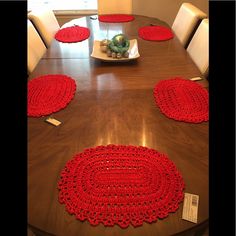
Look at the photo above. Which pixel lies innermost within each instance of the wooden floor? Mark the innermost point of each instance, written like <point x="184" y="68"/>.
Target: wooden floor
<point x="206" y="233"/>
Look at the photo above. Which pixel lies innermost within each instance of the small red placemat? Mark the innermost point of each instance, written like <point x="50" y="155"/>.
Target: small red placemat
<point x="118" y="184"/>
<point x="49" y="93"/>
<point x="155" y="33"/>
<point x="116" y="18"/>
<point x="72" y="34"/>
<point x="182" y="99"/>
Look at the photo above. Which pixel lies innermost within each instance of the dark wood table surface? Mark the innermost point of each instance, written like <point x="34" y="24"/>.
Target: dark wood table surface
<point x="113" y="104"/>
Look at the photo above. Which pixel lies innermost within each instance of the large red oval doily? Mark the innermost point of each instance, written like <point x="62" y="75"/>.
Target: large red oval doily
<point x="115" y="18"/>
<point x="119" y="184"/>
<point x="182" y="100"/>
<point x="72" y="34"/>
<point x="155" y="33"/>
<point x="49" y="93"/>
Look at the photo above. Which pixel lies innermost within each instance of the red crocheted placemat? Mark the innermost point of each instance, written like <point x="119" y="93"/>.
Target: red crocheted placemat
<point x="117" y="184"/>
<point x="115" y="18"/>
<point x="72" y="34"/>
<point x="182" y="99"/>
<point x="155" y="33"/>
<point x="49" y="93"/>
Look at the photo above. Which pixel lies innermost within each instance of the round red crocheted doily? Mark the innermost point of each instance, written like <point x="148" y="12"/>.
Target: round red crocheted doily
<point x="155" y="33"/>
<point x="182" y="99"/>
<point x="119" y="184"/>
<point x="115" y="18"/>
<point x="49" y="93"/>
<point x="72" y="34"/>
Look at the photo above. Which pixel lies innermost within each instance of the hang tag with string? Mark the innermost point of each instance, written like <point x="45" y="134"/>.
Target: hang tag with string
<point x="196" y="78"/>
<point x="190" y="207"/>
<point x="53" y="121"/>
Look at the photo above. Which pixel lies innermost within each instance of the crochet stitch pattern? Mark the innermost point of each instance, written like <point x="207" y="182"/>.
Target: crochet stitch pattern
<point x="120" y="184"/>
<point x="155" y="33"/>
<point x="116" y="18"/>
<point x="183" y="100"/>
<point x="72" y="34"/>
<point x="49" y="93"/>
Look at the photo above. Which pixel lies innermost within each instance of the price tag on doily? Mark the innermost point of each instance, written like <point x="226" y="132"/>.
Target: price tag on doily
<point x="190" y="208"/>
<point x="53" y="121"/>
<point x="196" y="78"/>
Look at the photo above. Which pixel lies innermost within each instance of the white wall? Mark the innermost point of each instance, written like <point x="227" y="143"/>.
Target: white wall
<point x="165" y="10"/>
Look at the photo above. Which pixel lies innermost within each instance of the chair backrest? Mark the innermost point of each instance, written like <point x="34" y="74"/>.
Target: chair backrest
<point x="114" y="7"/>
<point x="198" y="48"/>
<point x="46" y="24"/>
<point x="35" y="47"/>
<point x="186" y="22"/>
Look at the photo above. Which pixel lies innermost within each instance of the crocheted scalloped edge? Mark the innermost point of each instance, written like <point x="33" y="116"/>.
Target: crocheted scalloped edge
<point x="164" y="111"/>
<point x="133" y="218"/>
<point x="86" y="35"/>
<point x="56" y="109"/>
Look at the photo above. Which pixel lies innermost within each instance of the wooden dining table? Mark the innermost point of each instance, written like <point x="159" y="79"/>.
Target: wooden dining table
<point x="114" y="104"/>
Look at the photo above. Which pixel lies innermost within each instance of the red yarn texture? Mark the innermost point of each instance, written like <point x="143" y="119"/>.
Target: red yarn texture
<point x="49" y="93"/>
<point x="182" y="99"/>
<point x="155" y="33"/>
<point x="72" y="34"/>
<point x="123" y="185"/>
<point x="116" y="18"/>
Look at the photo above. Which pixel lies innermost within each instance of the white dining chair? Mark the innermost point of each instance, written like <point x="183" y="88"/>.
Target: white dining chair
<point x="46" y="24"/>
<point x="186" y="22"/>
<point x="114" y="7"/>
<point x="198" y="48"/>
<point x="35" y="47"/>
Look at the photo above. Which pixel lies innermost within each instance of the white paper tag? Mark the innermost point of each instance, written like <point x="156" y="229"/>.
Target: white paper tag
<point x="190" y="208"/>
<point x="196" y="79"/>
<point x="53" y="121"/>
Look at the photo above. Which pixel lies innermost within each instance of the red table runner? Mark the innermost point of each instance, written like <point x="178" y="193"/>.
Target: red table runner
<point x="49" y="93"/>
<point x="182" y="100"/>
<point x="155" y="33"/>
<point x="119" y="184"/>
<point x="115" y="18"/>
<point x="72" y="34"/>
